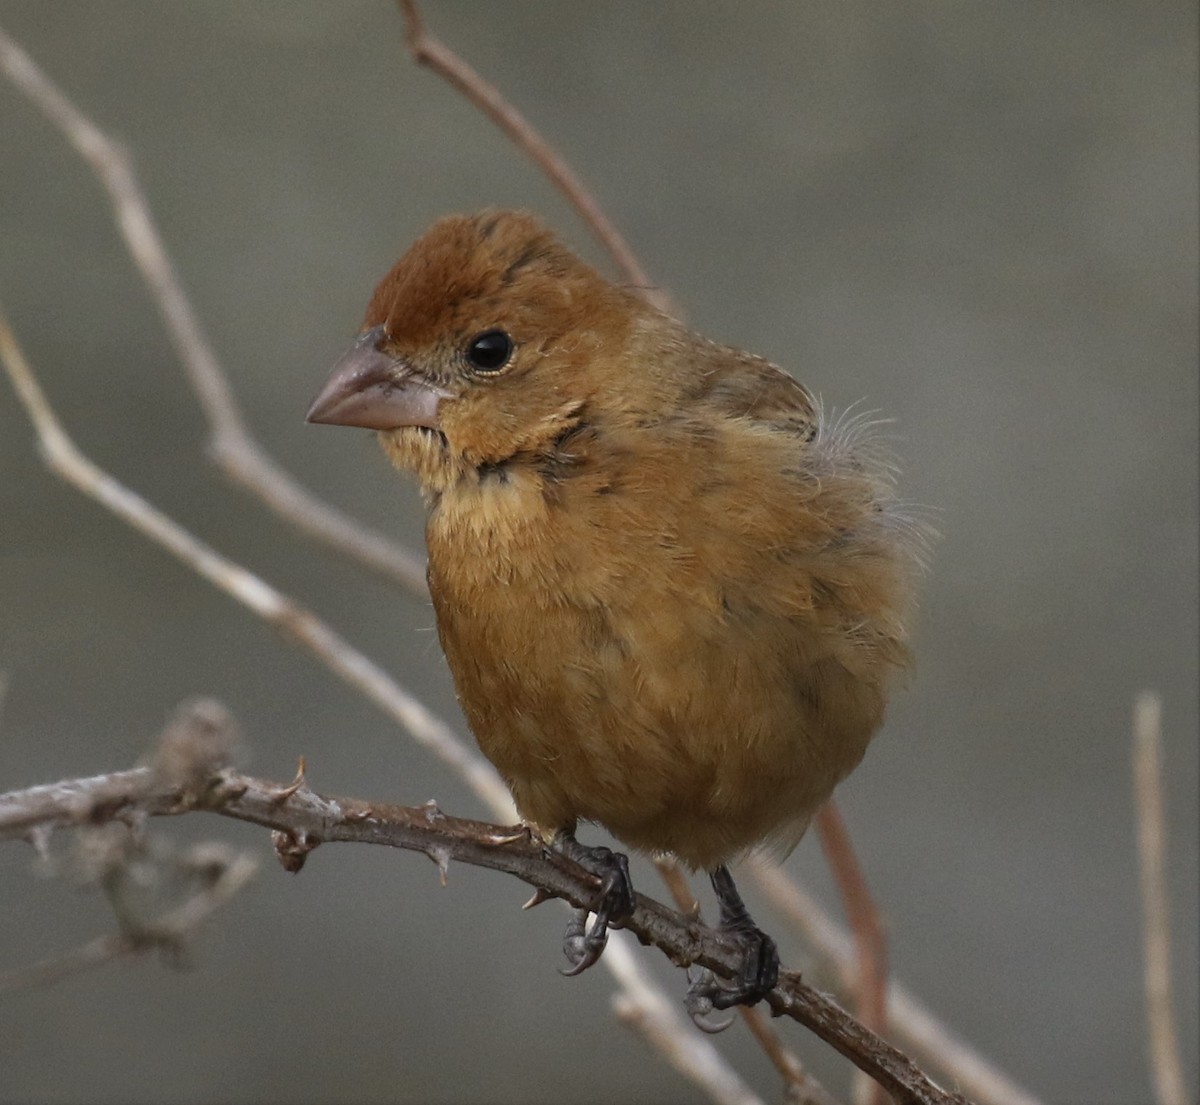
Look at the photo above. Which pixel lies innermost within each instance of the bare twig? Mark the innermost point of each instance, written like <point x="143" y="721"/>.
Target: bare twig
<point x="912" y="1022"/>
<point x="306" y="820"/>
<point x="95" y="953"/>
<point x="1165" y="1067"/>
<point x="273" y="606"/>
<point x="870" y="940"/>
<point x="231" y="444"/>
<point x="229" y="872"/>
<point x="644" y="1009"/>
<point x="428" y="50"/>
<point x="799" y="1087"/>
<point x="196" y="744"/>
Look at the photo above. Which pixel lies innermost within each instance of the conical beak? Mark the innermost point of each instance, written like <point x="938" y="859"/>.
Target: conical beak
<point x="372" y="389"/>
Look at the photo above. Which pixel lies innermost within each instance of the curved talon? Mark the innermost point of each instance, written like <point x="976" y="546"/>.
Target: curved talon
<point x="757" y="976"/>
<point x="711" y="1028"/>
<point x="581" y="947"/>
<point x="614" y="901"/>
<point x="699" y="1002"/>
<point x="589" y="957"/>
<point x="758" y="971"/>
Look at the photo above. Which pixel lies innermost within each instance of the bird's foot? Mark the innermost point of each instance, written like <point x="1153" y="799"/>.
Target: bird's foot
<point x="756" y="978"/>
<point x="614" y="902"/>
<point x="759" y="969"/>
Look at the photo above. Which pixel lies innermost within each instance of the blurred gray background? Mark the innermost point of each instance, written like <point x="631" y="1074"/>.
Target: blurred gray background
<point x="979" y="218"/>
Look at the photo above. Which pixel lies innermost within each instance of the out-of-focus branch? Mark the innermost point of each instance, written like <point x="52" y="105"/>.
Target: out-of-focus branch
<point x="225" y="873"/>
<point x="302" y="820"/>
<point x="646" y="1010"/>
<point x="428" y="50"/>
<point x="287" y="615"/>
<point x="237" y="453"/>
<point x="113" y="854"/>
<point x="1165" y="1066"/>
<point x="799" y="1087"/>
<point x="911" y="1021"/>
<point x="870" y="940"/>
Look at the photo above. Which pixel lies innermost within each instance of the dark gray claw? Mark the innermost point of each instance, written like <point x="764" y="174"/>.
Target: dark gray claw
<point x="582" y="948"/>
<point x="614" y="902"/>
<point x="759" y="970"/>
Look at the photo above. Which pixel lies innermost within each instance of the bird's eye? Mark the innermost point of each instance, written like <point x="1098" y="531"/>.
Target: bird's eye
<point x="489" y="351"/>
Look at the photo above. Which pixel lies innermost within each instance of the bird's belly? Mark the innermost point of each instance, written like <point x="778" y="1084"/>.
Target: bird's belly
<point x="676" y="726"/>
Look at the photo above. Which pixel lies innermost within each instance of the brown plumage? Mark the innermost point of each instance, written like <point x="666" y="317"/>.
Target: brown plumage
<point x="673" y="596"/>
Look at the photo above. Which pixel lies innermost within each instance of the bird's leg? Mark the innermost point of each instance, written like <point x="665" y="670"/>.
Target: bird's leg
<point x="613" y="903"/>
<point x="760" y="963"/>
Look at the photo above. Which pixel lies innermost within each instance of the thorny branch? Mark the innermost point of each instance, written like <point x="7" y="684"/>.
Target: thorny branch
<point x="328" y="822"/>
<point x="302" y="820"/>
<point x="870" y="987"/>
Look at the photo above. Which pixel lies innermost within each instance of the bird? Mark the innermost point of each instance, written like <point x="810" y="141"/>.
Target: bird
<point x="673" y="592"/>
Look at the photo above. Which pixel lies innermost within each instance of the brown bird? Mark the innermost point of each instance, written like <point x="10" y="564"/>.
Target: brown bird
<point x="672" y="593"/>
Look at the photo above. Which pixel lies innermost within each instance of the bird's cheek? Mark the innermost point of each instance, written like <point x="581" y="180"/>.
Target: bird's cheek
<point x="477" y="430"/>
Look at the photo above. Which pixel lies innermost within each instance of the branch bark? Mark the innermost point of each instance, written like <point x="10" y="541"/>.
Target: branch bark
<point x="302" y="820"/>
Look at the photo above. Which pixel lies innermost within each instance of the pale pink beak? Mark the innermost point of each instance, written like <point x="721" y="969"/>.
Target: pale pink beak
<point x="375" y="390"/>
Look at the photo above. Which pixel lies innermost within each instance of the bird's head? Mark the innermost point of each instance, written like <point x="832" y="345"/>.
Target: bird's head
<point x="487" y="342"/>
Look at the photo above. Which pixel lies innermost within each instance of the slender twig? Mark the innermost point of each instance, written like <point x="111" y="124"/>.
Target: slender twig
<point x="171" y="930"/>
<point x="337" y="654"/>
<point x="645" y="1010"/>
<point x="911" y="1021"/>
<point x="231" y="445"/>
<point x="1165" y="1067"/>
<point x="303" y="820"/>
<point x="799" y="1087"/>
<point x="287" y="615"/>
<point x="870" y="939"/>
<point x="428" y="50"/>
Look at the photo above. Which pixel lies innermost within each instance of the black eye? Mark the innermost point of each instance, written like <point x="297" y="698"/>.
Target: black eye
<point x="490" y="350"/>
